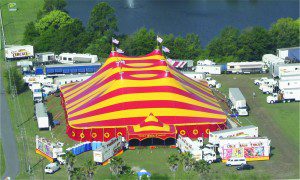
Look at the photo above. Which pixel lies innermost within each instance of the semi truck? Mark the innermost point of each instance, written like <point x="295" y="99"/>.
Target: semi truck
<point x="107" y="150"/>
<point x="186" y="145"/>
<point x="238" y="101"/>
<point x="42" y="116"/>
<point x="18" y="51"/>
<point x="289" y="84"/>
<point x="244" y="131"/>
<point x="286" y="95"/>
<point x="251" y="148"/>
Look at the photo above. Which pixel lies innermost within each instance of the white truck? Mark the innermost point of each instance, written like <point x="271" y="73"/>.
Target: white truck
<point x="18" y="51"/>
<point x="260" y="80"/>
<point x="42" y="116"/>
<point x="238" y="101"/>
<point x="211" y="82"/>
<point x="286" y="95"/>
<point x="36" y="89"/>
<point x="267" y="89"/>
<point x="251" y="148"/>
<point x="186" y="145"/>
<point x="108" y="149"/>
<point x="244" y="131"/>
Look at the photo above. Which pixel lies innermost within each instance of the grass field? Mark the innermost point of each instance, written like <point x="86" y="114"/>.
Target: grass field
<point x="2" y="160"/>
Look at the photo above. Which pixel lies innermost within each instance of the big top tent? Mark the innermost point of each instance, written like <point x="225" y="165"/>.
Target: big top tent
<point x="138" y="98"/>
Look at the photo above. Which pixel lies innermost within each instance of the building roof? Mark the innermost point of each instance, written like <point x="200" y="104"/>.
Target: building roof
<point x="233" y="129"/>
<point x="237" y="94"/>
<point x="290" y="48"/>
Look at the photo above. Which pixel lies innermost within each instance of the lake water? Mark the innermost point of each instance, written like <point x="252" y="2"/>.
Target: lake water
<point x="203" y="17"/>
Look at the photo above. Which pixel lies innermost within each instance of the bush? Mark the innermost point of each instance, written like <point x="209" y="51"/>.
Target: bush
<point x="16" y="79"/>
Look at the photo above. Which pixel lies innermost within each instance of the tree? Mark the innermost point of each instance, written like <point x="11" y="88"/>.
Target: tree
<point x="253" y="44"/>
<point x="187" y="161"/>
<point x="13" y="74"/>
<point x="55" y="19"/>
<point x="100" y="46"/>
<point x="77" y="174"/>
<point x="224" y="45"/>
<point x="116" y="165"/>
<point x="51" y="5"/>
<point x="70" y="161"/>
<point x="102" y="20"/>
<point x="30" y="33"/>
<point x="285" y="33"/>
<point x="89" y="169"/>
<point x="201" y="167"/>
<point x="140" y="43"/>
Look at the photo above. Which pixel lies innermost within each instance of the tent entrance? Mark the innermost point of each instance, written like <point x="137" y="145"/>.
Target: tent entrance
<point x="152" y="142"/>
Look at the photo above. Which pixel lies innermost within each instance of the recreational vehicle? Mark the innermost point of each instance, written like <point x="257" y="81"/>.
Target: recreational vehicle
<point x="71" y="58"/>
<point x="246" y="67"/>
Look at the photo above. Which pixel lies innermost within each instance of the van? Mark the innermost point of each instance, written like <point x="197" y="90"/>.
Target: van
<point x="236" y="161"/>
<point x="52" y="168"/>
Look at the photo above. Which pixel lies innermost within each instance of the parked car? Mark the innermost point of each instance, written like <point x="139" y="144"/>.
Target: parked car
<point x="236" y="161"/>
<point x="245" y="167"/>
<point x="52" y="168"/>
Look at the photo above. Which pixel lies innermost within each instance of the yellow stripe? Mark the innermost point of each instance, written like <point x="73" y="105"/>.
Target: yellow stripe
<point x="131" y="113"/>
<point x="144" y="97"/>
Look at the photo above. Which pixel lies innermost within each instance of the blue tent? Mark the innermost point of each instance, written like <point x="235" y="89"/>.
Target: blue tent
<point x="143" y="172"/>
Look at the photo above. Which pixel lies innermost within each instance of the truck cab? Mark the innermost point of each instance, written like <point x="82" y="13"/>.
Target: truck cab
<point x="272" y="98"/>
<point x="37" y="92"/>
<point x="243" y="111"/>
<point x="211" y="82"/>
<point x="267" y="89"/>
<point x="260" y="81"/>
<point x="61" y="158"/>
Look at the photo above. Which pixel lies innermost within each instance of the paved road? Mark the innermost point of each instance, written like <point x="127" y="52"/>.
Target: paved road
<point x="12" y="161"/>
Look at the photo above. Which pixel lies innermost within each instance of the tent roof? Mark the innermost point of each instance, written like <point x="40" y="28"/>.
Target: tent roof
<point x="127" y="89"/>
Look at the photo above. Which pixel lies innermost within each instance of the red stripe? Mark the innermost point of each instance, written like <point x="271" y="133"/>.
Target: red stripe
<point x="133" y="90"/>
<point x="145" y="105"/>
<point x="165" y="119"/>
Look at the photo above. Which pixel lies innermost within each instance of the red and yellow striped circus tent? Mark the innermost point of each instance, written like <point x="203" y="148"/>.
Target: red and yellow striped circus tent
<point x="139" y="97"/>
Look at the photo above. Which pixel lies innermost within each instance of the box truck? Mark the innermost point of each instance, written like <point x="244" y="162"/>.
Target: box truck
<point x="251" y="148"/>
<point x="286" y="95"/>
<point x="238" y="101"/>
<point x="107" y="150"/>
<point x="42" y="116"/>
<point x="18" y="51"/>
<point x="244" y="131"/>
<point x="186" y="145"/>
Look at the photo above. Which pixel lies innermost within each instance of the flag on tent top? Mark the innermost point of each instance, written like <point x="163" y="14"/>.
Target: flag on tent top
<point x="115" y="41"/>
<point x="119" y="50"/>
<point x="165" y="49"/>
<point x="159" y="39"/>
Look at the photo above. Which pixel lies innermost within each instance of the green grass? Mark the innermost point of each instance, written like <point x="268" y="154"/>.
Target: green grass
<point x="14" y="22"/>
<point x="2" y="160"/>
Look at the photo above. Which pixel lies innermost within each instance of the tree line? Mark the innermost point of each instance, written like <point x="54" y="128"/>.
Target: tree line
<point x="54" y="30"/>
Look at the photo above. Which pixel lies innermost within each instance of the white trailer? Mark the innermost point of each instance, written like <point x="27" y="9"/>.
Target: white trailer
<point x="205" y="62"/>
<point x="290" y="77"/>
<point x="71" y="58"/>
<point x="45" y="57"/>
<point x="270" y="59"/>
<point x="209" y="69"/>
<point x="289" y="84"/>
<point x="42" y="116"/>
<point x="252" y="148"/>
<point x="194" y="75"/>
<point x="244" y="131"/>
<point x="286" y="95"/>
<point x="70" y="79"/>
<point x="286" y="69"/>
<point x="18" y="51"/>
<point x="238" y="101"/>
<point x="186" y="145"/>
<point x="36" y="89"/>
<point x="108" y="149"/>
<point x="246" y="67"/>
